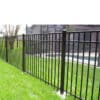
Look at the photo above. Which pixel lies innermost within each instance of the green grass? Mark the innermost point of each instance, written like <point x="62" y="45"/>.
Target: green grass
<point x="15" y="85"/>
<point x="37" y="64"/>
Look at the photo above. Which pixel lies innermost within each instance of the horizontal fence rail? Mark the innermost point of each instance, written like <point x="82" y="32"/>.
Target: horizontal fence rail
<point x="69" y="61"/>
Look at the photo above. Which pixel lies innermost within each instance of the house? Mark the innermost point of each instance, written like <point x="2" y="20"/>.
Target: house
<point x="39" y="29"/>
<point x="46" y="29"/>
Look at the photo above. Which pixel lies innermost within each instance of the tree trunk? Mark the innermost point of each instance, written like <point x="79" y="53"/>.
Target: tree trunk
<point x="11" y="40"/>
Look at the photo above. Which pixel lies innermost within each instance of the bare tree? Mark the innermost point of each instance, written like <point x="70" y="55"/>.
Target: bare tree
<point x="12" y="32"/>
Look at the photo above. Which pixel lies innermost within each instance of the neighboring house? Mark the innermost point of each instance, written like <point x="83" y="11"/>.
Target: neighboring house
<point x="82" y="28"/>
<point x="38" y="29"/>
<point x="46" y="29"/>
<point x="86" y="28"/>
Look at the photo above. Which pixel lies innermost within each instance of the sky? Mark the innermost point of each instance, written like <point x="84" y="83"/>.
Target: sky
<point x="50" y="11"/>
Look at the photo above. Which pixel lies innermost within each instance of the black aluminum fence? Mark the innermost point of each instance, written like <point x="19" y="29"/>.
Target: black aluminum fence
<point x="68" y="61"/>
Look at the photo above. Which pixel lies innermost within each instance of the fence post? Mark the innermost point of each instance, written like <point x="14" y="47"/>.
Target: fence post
<point x="98" y="54"/>
<point x="63" y="61"/>
<point x="6" y="46"/>
<point x="23" y="53"/>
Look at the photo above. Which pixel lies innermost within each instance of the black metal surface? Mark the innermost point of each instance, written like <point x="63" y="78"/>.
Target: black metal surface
<point x="6" y="45"/>
<point x="23" y="54"/>
<point x="63" y="61"/>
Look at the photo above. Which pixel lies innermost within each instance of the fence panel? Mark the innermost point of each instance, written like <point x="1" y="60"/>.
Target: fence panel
<point x="42" y="54"/>
<point x="82" y="65"/>
<point x="69" y="61"/>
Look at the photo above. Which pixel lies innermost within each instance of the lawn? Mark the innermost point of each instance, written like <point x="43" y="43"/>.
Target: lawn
<point x="46" y="69"/>
<point x="16" y="85"/>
